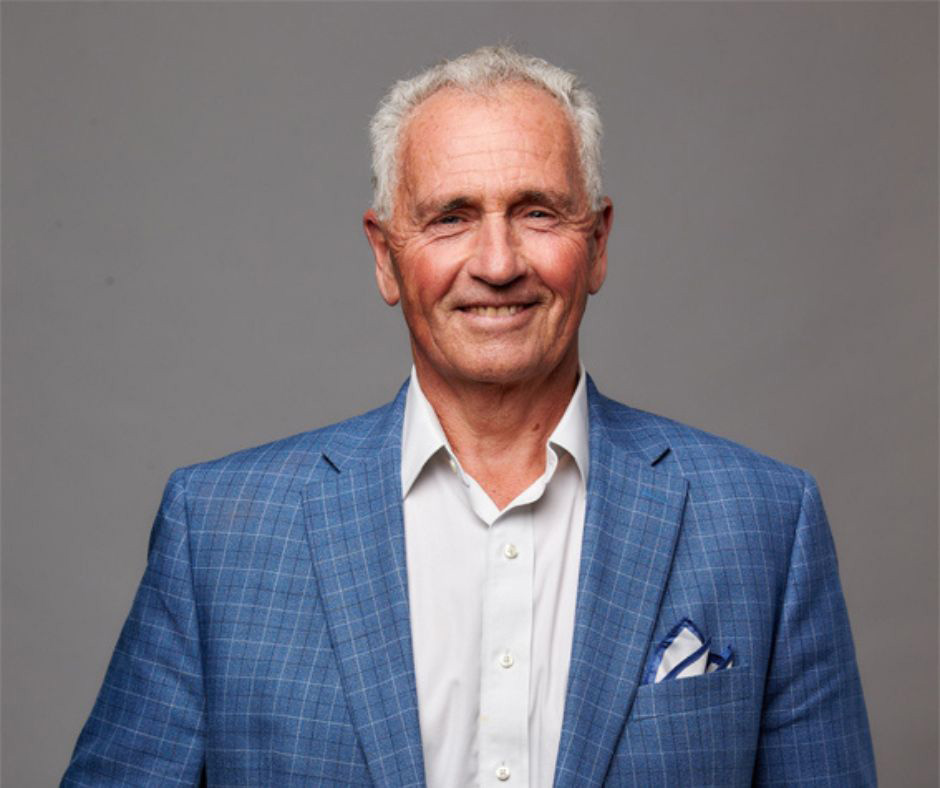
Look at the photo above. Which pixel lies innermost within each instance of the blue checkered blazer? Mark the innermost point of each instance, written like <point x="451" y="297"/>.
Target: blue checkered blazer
<point x="269" y="643"/>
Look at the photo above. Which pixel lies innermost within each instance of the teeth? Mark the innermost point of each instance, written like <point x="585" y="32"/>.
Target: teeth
<point x="494" y="311"/>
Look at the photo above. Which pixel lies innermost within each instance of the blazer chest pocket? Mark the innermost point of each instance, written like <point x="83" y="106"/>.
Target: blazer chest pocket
<point x="683" y="696"/>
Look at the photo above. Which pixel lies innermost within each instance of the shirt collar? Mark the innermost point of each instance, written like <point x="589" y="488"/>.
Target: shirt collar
<point x="571" y="433"/>
<point x="423" y="436"/>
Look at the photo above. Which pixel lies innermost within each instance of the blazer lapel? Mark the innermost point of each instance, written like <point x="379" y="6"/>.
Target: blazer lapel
<point x="631" y="524"/>
<point x="356" y="534"/>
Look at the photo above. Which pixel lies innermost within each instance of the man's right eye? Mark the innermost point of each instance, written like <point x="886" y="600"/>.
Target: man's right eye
<point x="449" y="219"/>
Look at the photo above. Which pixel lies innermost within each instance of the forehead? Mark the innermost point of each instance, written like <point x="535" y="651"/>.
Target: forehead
<point x="516" y="137"/>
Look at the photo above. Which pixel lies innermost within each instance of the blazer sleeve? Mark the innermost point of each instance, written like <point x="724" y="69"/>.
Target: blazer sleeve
<point x="147" y="726"/>
<point x="814" y="728"/>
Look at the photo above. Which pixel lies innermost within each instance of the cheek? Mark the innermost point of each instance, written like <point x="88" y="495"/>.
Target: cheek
<point x="425" y="279"/>
<point x="561" y="263"/>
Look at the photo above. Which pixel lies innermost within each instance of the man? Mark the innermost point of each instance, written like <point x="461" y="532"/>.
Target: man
<point x="501" y="577"/>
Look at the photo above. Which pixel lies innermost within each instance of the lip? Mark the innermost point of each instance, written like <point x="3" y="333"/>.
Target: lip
<point x="494" y="310"/>
<point x="497" y="316"/>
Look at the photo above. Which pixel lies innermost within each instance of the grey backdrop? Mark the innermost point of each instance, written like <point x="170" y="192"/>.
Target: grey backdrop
<point x="185" y="275"/>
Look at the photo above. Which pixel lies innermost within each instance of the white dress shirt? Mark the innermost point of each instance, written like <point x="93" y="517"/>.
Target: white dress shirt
<point x="492" y="595"/>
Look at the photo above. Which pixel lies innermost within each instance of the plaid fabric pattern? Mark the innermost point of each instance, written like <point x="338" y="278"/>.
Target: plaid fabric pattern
<point x="269" y="642"/>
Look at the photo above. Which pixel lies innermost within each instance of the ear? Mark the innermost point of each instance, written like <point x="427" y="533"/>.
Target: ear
<point x="384" y="267"/>
<point x="601" y="232"/>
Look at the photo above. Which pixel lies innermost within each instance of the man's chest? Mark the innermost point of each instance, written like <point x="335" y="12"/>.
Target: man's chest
<point x="492" y="602"/>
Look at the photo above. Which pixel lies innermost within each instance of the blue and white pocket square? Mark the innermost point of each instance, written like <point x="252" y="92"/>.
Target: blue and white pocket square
<point x="683" y="653"/>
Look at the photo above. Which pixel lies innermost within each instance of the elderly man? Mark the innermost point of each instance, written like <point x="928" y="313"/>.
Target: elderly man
<point x="502" y="577"/>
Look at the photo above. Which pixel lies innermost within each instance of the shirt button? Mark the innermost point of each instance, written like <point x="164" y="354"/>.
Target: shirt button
<point x="510" y="551"/>
<point x="506" y="661"/>
<point x="502" y="773"/>
<point x="453" y="464"/>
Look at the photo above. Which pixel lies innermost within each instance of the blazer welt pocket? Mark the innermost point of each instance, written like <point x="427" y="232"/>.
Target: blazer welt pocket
<point x="683" y="696"/>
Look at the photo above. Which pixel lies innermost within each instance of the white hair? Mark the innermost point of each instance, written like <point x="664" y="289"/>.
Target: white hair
<point x="482" y="70"/>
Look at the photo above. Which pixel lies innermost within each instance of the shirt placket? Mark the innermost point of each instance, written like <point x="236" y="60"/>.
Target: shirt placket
<point x="505" y="656"/>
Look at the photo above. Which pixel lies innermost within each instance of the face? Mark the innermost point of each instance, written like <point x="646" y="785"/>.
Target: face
<point x="492" y="248"/>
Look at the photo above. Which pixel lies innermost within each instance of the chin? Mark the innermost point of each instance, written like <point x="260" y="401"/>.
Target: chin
<point x="504" y="371"/>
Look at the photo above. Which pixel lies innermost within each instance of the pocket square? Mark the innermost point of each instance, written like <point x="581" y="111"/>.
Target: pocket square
<point x="683" y="653"/>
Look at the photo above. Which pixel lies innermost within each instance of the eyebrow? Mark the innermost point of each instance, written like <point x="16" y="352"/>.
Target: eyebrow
<point x="557" y="200"/>
<point x="429" y="207"/>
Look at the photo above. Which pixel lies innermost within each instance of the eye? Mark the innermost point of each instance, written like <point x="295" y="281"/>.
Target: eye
<point x="447" y="225"/>
<point x="537" y="213"/>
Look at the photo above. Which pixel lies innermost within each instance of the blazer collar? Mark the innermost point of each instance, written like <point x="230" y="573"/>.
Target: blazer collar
<point x="357" y="541"/>
<point x="634" y="432"/>
<point x="631" y="524"/>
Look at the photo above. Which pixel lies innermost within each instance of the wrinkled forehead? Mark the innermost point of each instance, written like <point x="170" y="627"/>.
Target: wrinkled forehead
<point x="457" y="135"/>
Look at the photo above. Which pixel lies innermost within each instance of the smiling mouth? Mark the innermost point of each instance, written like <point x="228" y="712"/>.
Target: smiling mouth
<point x="495" y="311"/>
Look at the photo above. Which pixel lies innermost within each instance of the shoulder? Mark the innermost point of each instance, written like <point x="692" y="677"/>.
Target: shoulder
<point x="711" y="463"/>
<point x="738" y="499"/>
<point x="296" y="460"/>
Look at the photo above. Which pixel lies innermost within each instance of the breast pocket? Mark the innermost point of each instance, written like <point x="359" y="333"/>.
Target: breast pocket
<point x="683" y="696"/>
<point x="699" y="731"/>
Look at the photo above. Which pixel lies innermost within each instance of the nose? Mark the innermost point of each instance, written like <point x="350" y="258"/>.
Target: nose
<point x="496" y="260"/>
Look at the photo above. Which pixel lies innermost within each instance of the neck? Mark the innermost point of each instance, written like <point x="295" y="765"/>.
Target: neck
<point x="499" y="431"/>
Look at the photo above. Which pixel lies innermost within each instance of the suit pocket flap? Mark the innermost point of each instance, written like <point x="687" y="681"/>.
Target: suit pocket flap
<point x="681" y="696"/>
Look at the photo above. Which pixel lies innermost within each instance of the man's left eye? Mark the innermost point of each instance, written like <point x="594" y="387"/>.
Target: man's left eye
<point x="538" y="214"/>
